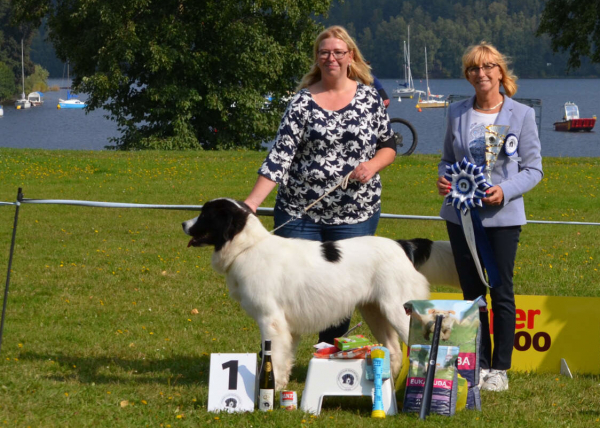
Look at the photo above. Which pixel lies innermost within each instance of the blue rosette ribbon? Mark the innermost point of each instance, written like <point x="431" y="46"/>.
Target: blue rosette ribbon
<point x="468" y="187"/>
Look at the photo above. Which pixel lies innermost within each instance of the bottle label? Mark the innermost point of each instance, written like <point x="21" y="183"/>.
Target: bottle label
<point x="268" y="366"/>
<point x="265" y="400"/>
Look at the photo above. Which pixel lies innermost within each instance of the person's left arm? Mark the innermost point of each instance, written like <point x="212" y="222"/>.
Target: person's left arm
<point x="386" y="149"/>
<point x="530" y="166"/>
<point x="366" y="170"/>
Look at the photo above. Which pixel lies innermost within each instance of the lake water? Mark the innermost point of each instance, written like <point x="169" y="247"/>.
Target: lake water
<point x="47" y="127"/>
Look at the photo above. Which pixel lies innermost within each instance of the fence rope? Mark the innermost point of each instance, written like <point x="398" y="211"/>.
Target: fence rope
<point x="260" y="211"/>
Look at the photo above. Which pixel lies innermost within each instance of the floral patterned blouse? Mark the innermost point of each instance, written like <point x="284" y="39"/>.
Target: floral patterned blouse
<point x="316" y="148"/>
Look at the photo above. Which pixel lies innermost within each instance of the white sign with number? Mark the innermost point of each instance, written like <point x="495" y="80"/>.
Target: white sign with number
<point x="232" y="382"/>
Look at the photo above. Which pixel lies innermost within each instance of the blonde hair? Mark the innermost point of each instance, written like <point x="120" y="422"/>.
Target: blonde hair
<point x="485" y="52"/>
<point x="359" y="70"/>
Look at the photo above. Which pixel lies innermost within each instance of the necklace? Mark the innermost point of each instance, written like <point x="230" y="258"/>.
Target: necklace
<point x="478" y="107"/>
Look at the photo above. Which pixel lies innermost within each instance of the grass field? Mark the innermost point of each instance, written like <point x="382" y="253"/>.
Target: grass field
<point x="101" y="329"/>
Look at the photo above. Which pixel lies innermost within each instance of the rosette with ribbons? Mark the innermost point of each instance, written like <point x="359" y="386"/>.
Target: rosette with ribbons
<point x="468" y="187"/>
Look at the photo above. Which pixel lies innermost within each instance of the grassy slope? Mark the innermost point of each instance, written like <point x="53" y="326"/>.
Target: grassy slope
<point x="99" y="328"/>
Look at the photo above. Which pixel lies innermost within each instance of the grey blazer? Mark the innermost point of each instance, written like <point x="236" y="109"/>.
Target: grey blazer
<point x="514" y="177"/>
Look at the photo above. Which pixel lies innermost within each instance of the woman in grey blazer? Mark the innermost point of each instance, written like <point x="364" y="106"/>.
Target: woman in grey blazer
<point x="517" y="170"/>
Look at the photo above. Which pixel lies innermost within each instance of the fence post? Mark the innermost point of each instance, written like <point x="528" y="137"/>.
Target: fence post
<point x="10" y="258"/>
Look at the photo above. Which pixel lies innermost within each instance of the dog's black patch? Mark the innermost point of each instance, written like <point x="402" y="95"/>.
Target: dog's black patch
<point x="331" y="252"/>
<point x="418" y="250"/>
<point x="218" y="223"/>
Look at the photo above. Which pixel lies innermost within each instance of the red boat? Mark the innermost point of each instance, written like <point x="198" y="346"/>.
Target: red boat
<point x="571" y="121"/>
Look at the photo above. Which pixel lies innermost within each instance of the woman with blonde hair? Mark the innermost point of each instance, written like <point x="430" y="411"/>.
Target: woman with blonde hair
<point x="517" y="170"/>
<point x="335" y="126"/>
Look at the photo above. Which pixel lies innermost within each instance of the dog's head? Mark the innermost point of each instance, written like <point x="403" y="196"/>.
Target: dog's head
<point x="218" y="223"/>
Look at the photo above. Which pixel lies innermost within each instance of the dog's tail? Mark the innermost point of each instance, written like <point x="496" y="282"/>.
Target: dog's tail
<point x="433" y="259"/>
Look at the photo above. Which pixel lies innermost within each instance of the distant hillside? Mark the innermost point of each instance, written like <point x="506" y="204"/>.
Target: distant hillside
<point x="447" y="28"/>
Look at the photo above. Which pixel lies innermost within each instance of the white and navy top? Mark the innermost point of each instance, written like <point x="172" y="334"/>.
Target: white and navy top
<point x="315" y="148"/>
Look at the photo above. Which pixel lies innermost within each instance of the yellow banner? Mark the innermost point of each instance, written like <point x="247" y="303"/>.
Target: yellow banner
<point x="550" y="328"/>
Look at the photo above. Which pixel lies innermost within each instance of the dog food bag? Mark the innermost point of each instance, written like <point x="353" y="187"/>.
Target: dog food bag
<point x="460" y="327"/>
<point x="445" y="383"/>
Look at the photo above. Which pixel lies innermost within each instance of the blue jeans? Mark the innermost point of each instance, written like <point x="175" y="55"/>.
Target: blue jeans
<point x="305" y="228"/>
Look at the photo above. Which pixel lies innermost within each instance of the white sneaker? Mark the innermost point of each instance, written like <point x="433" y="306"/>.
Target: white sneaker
<point x="483" y="373"/>
<point x="496" y="380"/>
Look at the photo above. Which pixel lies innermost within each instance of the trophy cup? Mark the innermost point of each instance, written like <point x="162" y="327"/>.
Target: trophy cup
<point x="494" y="140"/>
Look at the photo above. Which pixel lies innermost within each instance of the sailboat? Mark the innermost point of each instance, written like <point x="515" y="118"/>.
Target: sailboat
<point x="431" y="100"/>
<point x="23" y="102"/>
<point x="406" y="89"/>
<point x="72" y="101"/>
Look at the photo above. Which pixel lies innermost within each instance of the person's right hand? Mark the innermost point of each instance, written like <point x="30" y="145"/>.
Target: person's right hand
<point x="443" y="186"/>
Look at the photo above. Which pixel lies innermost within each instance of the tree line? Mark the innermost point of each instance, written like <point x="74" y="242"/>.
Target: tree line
<point x="189" y="75"/>
<point x="447" y="28"/>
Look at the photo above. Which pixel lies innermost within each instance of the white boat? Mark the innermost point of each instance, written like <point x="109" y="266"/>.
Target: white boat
<point x="430" y="101"/>
<point x="36" y="99"/>
<point x="72" y="101"/>
<point x="406" y="89"/>
<point x="1" y="111"/>
<point x="23" y="102"/>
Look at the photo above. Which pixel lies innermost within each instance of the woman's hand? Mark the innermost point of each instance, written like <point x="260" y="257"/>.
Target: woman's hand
<point x="363" y="173"/>
<point x="443" y="186"/>
<point x="367" y="170"/>
<point x="494" y="196"/>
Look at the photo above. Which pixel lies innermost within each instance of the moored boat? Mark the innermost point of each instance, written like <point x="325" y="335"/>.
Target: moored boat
<point x="572" y="122"/>
<point x="23" y="102"/>
<point x="406" y="89"/>
<point x="36" y="98"/>
<point x="72" y="101"/>
<point x="431" y="101"/>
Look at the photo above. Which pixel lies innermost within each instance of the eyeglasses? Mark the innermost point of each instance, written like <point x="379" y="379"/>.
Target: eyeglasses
<point x="487" y="68"/>
<point x="336" y="54"/>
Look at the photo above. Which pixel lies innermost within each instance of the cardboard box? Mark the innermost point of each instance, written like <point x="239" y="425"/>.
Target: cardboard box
<point x="351" y="342"/>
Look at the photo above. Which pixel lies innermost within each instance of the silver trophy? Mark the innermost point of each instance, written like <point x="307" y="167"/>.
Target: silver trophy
<point x="494" y="140"/>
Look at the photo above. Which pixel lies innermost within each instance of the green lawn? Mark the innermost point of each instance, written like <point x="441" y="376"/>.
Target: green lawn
<point x="100" y="329"/>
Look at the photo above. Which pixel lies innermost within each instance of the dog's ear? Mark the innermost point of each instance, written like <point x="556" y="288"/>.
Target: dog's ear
<point x="231" y="222"/>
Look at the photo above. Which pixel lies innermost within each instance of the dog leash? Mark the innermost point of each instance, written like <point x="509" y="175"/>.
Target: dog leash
<point x="343" y="184"/>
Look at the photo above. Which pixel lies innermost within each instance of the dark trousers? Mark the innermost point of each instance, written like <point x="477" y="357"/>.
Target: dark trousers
<point x="504" y="242"/>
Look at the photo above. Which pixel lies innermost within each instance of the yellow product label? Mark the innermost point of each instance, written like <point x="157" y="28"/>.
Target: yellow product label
<point x="549" y="328"/>
<point x="268" y="366"/>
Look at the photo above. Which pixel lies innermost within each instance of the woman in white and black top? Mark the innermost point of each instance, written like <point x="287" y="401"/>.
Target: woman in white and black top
<point x="335" y="125"/>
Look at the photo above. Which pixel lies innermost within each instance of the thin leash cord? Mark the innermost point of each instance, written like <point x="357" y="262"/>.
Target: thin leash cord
<point x="343" y="184"/>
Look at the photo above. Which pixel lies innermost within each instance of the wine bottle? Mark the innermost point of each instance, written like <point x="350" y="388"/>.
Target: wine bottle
<point x="266" y="381"/>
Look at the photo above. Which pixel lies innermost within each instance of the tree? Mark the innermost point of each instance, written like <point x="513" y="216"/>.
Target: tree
<point x="7" y="82"/>
<point x="183" y="74"/>
<point x="573" y="26"/>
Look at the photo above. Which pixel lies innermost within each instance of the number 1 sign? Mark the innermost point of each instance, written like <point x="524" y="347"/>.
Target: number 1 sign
<point x="232" y="382"/>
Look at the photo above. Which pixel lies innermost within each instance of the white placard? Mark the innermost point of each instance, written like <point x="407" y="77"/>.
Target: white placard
<point x="232" y="382"/>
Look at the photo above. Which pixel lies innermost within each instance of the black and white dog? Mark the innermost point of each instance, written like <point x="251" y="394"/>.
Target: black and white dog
<point x="293" y="286"/>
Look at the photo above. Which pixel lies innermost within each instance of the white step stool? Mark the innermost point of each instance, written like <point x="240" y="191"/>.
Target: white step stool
<point x="342" y="378"/>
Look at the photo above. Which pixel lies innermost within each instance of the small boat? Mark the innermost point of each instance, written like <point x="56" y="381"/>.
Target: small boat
<point x="431" y="101"/>
<point x="1" y="111"/>
<point x="72" y="101"/>
<point x="36" y="99"/>
<point x="572" y="122"/>
<point x="23" y="102"/>
<point x="406" y="89"/>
